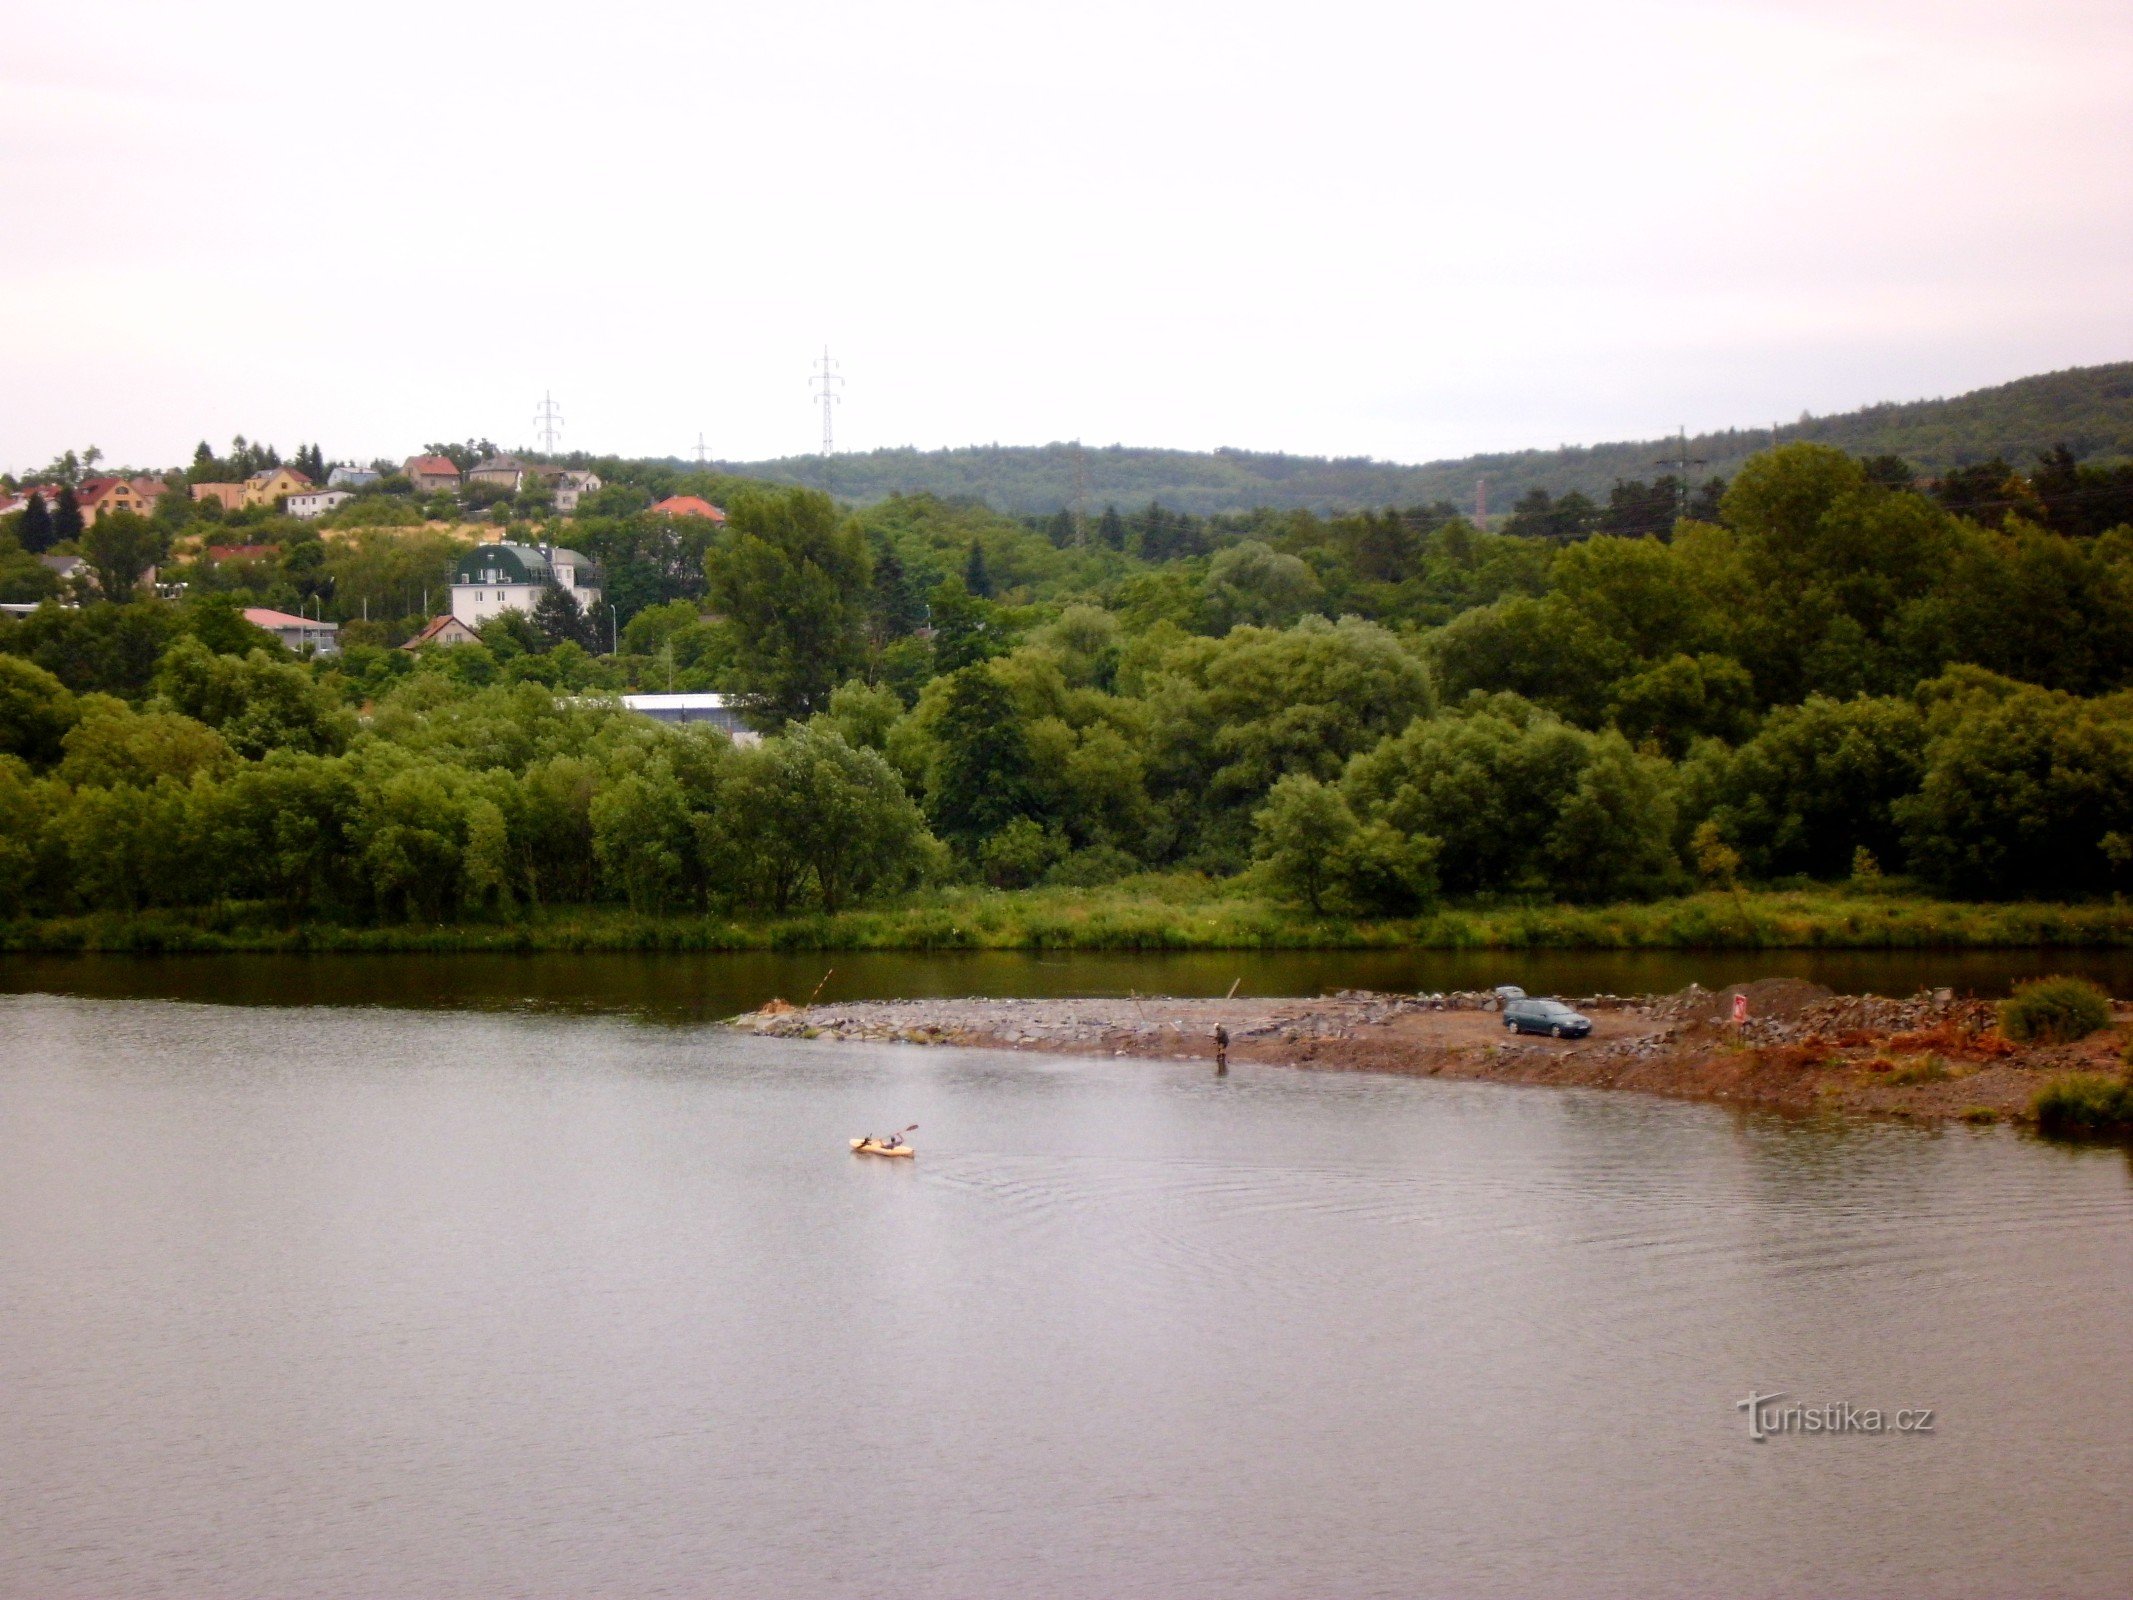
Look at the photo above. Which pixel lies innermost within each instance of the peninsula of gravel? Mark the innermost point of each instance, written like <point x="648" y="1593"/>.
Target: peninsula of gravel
<point x="1932" y="1057"/>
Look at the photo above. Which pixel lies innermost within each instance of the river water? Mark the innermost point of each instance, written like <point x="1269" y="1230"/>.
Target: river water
<point x="359" y="1300"/>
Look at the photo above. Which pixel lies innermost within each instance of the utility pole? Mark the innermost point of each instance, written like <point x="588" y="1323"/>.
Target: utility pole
<point x="1681" y="462"/>
<point x="548" y="422"/>
<point x="825" y="384"/>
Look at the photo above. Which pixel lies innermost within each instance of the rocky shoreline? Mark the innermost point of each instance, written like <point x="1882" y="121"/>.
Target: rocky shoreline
<point x="1932" y="1057"/>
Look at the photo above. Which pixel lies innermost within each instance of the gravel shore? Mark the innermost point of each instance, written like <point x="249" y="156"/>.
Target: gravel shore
<point x="1933" y="1056"/>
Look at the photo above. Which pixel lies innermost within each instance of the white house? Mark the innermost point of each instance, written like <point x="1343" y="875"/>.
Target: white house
<point x="494" y="578"/>
<point x="297" y="633"/>
<point x="350" y="477"/>
<point x="317" y="503"/>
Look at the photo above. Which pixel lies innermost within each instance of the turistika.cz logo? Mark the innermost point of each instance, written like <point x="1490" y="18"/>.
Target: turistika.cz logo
<point x="1767" y="1418"/>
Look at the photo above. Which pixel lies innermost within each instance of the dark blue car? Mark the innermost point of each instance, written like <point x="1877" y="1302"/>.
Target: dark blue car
<point x="1551" y="1017"/>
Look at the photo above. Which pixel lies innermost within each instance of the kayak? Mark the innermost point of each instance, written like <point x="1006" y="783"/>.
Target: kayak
<point x="874" y="1147"/>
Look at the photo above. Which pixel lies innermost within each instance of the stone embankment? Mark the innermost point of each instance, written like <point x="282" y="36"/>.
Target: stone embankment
<point x="1802" y="1048"/>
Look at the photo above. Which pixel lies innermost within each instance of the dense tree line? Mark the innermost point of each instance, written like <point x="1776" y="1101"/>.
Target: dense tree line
<point x="1833" y="673"/>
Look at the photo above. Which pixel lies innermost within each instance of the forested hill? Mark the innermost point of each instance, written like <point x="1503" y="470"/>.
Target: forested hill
<point x="2090" y="408"/>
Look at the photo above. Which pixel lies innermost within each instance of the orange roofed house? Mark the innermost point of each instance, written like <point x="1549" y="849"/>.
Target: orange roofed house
<point x="430" y="473"/>
<point x="98" y="495"/>
<point x="688" y="505"/>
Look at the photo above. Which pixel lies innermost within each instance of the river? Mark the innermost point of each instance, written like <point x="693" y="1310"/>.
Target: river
<point x="438" y="1297"/>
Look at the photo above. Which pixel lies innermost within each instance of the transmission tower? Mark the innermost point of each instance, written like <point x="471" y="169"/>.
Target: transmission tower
<point x="548" y="422"/>
<point x="703" y="455"/>
<point x="1681" y="461"/>
<point x="1081" y="496"/>
<point x="824" y="385"/>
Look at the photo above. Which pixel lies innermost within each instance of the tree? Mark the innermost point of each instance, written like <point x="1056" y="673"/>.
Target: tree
<point x="121" y="548"/>
<point x="256" y="702"/>
<point x="644" y="837"/>
<point x="980" y="778"/>
<point x="1301" y="833"/>
<point x="793" y="578"/>
<point x="36" y="712"/>
<point x="66" y="516"/>
<point x="559" y="617"/>
<point x="806" y="807"/>
<point x="35" y="531"/>
<point x="966" y="629"/>
<point x="975" y="578"/>
<point x="1111" y="529"/>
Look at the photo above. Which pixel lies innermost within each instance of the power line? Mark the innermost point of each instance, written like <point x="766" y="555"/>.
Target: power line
<point x="548" y="422"/>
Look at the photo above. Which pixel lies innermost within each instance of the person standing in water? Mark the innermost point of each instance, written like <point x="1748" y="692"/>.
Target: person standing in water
<point x="1221" y="1050"/>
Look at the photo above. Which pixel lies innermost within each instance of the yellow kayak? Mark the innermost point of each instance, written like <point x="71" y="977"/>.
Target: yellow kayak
<point x="874" y="1147"/>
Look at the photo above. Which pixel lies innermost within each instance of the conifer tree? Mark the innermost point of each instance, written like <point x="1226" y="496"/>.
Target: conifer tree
<point x="66" y="516"/>
<point x="975" y="578"/>
<point x="35" y="530"/>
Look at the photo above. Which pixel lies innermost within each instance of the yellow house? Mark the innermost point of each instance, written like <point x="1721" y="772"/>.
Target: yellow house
<point x="264" y="488"/>
<point x="231" y="495"/>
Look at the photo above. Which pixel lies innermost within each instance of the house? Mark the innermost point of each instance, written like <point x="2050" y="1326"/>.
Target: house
<point x="229" y="495"/>
<point x="571" y="485"/>
<point x="688" y="505"/>
<point x="430" y="474"/>
<point x="716" y="710"/>
<point x="317" y="502"/>
<point x="297" y="633"/>
<point x="443" y="630"/>
<point x="506" y="472"/>
<point x="345" y="477"/>
<point x="72" y="569"/>
<point x="494" y="578"/>
<point x="98" y="495"/>
<point x="265" y="488"/>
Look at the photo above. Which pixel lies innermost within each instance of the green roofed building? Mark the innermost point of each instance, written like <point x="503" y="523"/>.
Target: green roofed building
<point x="494" y="578"/>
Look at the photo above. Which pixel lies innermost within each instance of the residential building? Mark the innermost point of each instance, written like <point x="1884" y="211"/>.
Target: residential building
<point x="571" y="485"/>
<point x="688" y="505"/>
<point x="297" y="633"/>
<point x="429" y="474"/>
<point x="317" y="502"/>
<point x="345" y="477"/>
<point x="98" y="495"/>
<point x="265" y="488"/>
<point x="715" y="710"/>
<point x="494" y="578"/>
<point x="443" y="630"/>
<point x="231" y="495"/>
<point x="506" y="472"/>
<point x="73" y="568"/>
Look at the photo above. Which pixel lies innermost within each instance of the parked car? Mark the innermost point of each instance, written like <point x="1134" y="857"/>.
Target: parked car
<point x="1551" y="1017"/>
<point x="1509" y="991"/>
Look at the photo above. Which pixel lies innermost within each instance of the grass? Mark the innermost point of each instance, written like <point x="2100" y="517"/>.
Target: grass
<point x="1169" y="911"/>
<point x="2085" y="1102"/>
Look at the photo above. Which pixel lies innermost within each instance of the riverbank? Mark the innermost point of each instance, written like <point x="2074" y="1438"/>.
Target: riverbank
<point x="1935" y="1057"/>
<point x="1153" y="912"/>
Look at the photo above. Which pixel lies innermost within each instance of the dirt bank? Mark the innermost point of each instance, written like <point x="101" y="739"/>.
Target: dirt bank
<point x="1931" y="1057"/>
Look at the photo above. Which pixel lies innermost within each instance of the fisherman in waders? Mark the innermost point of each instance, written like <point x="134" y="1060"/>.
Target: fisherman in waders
<point x="1221" y="1050"/>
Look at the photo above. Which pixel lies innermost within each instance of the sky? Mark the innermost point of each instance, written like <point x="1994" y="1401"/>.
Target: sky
<point x="1406" y="231"/>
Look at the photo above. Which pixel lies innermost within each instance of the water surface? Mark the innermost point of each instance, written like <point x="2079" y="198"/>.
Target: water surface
<point x="352" y="1301"/>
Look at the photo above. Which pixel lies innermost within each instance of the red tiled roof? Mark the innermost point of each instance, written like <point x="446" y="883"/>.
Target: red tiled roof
<point x="689" y="505"/>
<point x="432" y="464"/>
<point x="434" y="627"/>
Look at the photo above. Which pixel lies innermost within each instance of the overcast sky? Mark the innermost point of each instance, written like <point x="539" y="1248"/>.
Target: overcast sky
<point x="1407" y="231"/>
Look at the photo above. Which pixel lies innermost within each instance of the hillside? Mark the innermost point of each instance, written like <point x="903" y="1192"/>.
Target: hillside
<point x="2090" y="408"/>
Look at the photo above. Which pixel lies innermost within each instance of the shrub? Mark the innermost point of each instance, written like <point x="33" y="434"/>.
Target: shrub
<point x="2054" y="1011"/>
<point x="2084" y="1102"/>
